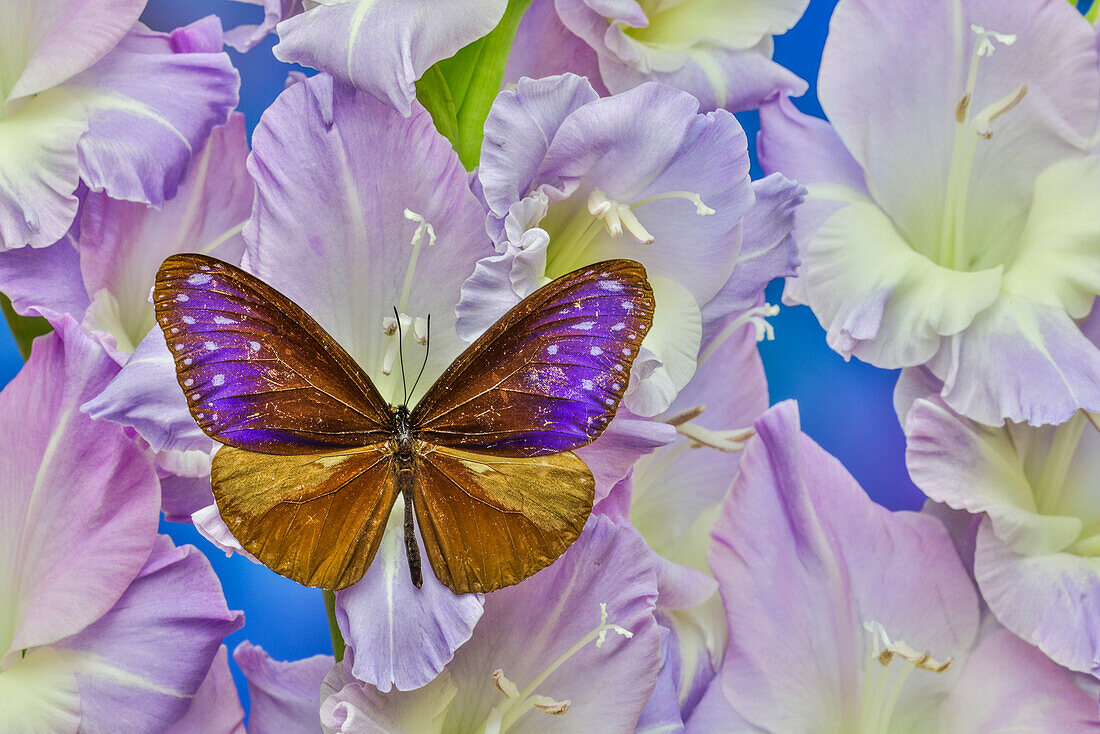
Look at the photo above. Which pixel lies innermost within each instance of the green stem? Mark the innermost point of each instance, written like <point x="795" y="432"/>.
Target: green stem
<point x="23" y="328"/>
<point x="338" y="645"/>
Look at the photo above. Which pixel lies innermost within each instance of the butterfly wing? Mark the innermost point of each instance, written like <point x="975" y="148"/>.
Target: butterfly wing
<point x="490" y="521"/>
<point x="317" y="519"/>
<point x="549" y="375"/>
<point x="258" y="372"/>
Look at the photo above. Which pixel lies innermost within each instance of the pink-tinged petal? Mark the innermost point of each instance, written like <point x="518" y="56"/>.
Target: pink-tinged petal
<point x="216" y="708"/>
<point x="244" y="37"/>
<point x="150" y="104"/>
<point x="50" y="41"/>
<point x="335" y="172"/>
<point x="544" y="47"/>
<point x="698" y="638"/>
<point x="914" y="383"/>
<point x="1007" y="685"/>
<point x="79" y="502"/>
<point x="383" y="46"/>
<point x="39" y="172"/>
<point x="768" y="250"/>
<point x="139" y="666"/>
<point x="714" y="713"/>
<point x="796" y="514"/>
<point x="404" y="635"/>
<point x="146" y="396"/>
<point x="208" y="521"/>
<point x="1050" y="600"/>
<point x="892" y="75"/>
<point x="45" y="281"/>
<point x="1020" y="361"/>
<point x="880" y="300"/>
<point x="518" y="132"/>
<point x="122" y="243"/>
<point x="963" y="529"/>
<point x="285" y="695"/>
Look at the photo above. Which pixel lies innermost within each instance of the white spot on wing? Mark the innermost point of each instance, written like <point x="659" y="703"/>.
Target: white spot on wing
<point x="587" y="384"/>
<point x="584" y="325"/>
<point x="254" y="346"/>
<point x="608" y="401"/>
<point x="612" y="286"/>
<point x="223" y="320"/>
<point x="182" y="297"/>
<point x="627" y="352"/>
<point x="628" y="305"/>
<point x="188" y="319"/>
<point x="619" y="326"/>
<point x="552" y="349"/>
<point x="595" y="351"/>
<point x="199" y="279"/>
<point x="188" y="361"/>
<point x="218" y="380"/>
<point x="211" y="346"/>
<point x="188" y="382"/>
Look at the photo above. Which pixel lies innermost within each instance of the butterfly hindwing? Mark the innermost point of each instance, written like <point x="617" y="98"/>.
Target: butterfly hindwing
<point x="316" y="519"/>
<point x="259" y="373"/>
<point x="488" y="521"/>
<point x="549" y="375"/>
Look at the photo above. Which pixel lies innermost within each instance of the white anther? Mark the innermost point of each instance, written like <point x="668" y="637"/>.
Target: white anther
<point x="389" y="325"/>
<point x="885" y="650"/>
<point x="728" y="441"/>
<point x="420" y="330"/>
<point x="992" y="112"/>
<point x="986" y="38"/>
<point x="616" y="217"/>
<point x="548" y="705"/>
<point x="505" y="686"/>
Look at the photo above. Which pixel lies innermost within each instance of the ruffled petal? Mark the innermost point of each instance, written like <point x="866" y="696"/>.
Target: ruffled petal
<point x="383" y="46"/>
<point x="1050" y="600"/>
<point x="285" y="695"/>
<point x="38" y="169"/>
<point x="881" y="301"/>
<point x="150" y="104"/>
<point x="244" y="37"/>
<point x="45" y="281"/>
<point x="80" y="498"/>
<point x="1020" y="361"/>
<point x="404" y="635"/>
<point x="544" y="47"/>
<point x="139" y="666"/>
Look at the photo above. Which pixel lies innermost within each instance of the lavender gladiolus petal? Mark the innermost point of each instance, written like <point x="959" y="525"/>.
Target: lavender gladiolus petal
<point x="383" y="46"/>
<point x="544" y="47"/>
<point x="215" y="709"/>
<point x="661" y="714"/>
<point x="163" y="94"/>
<point x="80" y="497"/>
<point x="285" y="695"/>
<point x="404" y="635"/>
<point x="126" y="676"/>
<point x="244" y="37"/>
<point x="44" y="281"/>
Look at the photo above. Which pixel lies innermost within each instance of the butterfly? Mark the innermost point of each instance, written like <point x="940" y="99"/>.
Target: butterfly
<point x="313" y="457"/>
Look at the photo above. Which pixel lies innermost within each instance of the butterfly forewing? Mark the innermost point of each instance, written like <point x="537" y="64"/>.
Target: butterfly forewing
<point x="258" y="372"/>
<point x="490" y="521"/>
<point x="549" y="375"/>
<point x="317" y="519"/>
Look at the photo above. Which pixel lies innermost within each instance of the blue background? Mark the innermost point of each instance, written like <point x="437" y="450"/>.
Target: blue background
<point x="846" y="406"/>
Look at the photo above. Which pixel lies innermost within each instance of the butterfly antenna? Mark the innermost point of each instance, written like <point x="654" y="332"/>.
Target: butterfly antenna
<point x="427" y="346"/>
<point x="401" y="356"/>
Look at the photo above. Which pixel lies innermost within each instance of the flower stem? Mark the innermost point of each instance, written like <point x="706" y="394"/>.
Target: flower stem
<point x="338" y="645"/>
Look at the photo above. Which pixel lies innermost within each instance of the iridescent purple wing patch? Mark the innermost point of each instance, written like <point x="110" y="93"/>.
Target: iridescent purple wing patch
<point x="258" y="372"/>
<point x="549" y="375"/>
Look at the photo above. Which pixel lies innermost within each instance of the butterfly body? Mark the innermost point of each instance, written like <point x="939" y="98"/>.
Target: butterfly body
<point x="314" y="458"/>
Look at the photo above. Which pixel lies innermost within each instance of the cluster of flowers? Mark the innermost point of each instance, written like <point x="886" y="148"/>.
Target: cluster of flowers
<point x="733" y="576"/>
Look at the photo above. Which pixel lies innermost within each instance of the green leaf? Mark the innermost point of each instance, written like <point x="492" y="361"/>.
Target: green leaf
<point x="473" y="77"/>
<point x="434" y="93"/>
<point x="23" y="328"/>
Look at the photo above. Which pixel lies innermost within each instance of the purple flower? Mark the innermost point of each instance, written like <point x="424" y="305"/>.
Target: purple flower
<point x="383" y="46"/>
<point x="244" y="37"/>
<point x="101" y="275"/>
<point x="285" y="695"/>
<point x="846" y="617"/>
<point x="950" y="218"/>
<point x="718" y="50"/>
<point x="571" y="179"/>
<point x="1036" y="547"/>
<point x="84" y="76"/>
<point x="573" y="648"/>
<point x="106" y="624"/>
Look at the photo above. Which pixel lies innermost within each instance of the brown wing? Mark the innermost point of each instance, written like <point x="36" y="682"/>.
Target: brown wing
<point x="316" y="519"/>
<point x="488" y="522"/>
<point x="258" y="372"/>
<point x="549" y="375"/>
